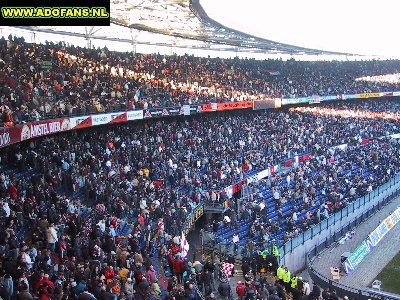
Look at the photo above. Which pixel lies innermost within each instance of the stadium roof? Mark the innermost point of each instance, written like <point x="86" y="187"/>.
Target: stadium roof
<point x="175" y="23"/>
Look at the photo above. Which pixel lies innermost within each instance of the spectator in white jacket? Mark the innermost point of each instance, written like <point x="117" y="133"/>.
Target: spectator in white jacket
<point x="52" y="237"/>
<point x="306" y="288"/>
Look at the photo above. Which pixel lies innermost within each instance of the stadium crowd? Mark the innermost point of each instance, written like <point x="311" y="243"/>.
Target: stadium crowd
<point x="85" y="212"/>
<point x="51" y="80"/>
<point x="324" y="185"/>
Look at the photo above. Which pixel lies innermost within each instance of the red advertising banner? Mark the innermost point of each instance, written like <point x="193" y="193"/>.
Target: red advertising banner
<point x="80" y="122"/>
<point x="210" y="107"/>
<point x="272" y="170"/>
<point x="118" y="117"/>
<point x="366" y="141"/>
<point x="227" y="106"/>
<point x="387" y="94"/>
<point x="235" y="105"/>
<point x="10" y="135"/>
<point x="288" y="163"/>
<point x="37" y="129"/>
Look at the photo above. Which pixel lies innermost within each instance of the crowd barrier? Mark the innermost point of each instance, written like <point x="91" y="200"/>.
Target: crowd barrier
<point x="331" y="226"/>
<point x="368" y="205"/>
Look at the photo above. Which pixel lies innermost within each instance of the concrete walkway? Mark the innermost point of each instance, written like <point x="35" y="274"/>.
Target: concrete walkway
<point x="374" y="263"/>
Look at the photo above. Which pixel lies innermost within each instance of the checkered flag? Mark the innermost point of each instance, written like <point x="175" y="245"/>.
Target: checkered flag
<point x="227" y="268"/>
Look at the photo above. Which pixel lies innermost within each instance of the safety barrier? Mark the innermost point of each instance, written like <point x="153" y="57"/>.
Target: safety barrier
<point x="292" y="255"/>
<point x="342" y="290"/>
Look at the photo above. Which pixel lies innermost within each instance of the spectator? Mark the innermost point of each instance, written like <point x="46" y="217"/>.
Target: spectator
<point x="241" y="290"/>
<point x="224" y="290"/>
<point x="105" y="81"/>
<point x="151" y="275"/>
<point x="315" y="293"/>
<point x="24" y="293"/>
<point x="52" y="237"/>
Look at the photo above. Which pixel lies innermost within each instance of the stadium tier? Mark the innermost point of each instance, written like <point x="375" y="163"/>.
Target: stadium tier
<point x="103" y="212"/>
<point x="50" y="80"/>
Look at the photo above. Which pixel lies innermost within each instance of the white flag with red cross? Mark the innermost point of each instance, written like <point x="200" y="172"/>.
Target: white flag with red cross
<point x="184" y="246"/>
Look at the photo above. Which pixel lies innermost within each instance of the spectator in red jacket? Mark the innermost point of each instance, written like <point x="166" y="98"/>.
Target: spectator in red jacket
<point x="12" y="191"/>
<point x="241" y="290"/>
<point x="44" y="284"/>
<point x="177" y="265"/>
<point x="110" y="273"/>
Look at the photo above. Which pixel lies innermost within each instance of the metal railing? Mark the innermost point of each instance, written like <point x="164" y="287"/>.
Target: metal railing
<point x="339" y="216"/>
<point x="321" y="280"/>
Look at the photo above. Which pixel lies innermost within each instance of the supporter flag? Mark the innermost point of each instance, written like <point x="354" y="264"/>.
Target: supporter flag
<point x="274" y="72"/>
<point x="184" y="246"/>
<point x="229" y="191"/>
<point x="272" y="170"/>
<point x="199" y="109"/>
<point x="165" y="112"/>
<point x="227" y="268"/>
<point x="147" y="114"/>
<point x="182" y="110"/>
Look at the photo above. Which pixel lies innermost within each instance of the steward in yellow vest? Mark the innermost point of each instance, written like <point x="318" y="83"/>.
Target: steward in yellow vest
<point x="293" y="284"/>
<point x="280" y="272"/>
<point x="286" y="276"/>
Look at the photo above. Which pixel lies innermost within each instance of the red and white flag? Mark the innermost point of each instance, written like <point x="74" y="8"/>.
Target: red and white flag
<point x="227" y="268"/>
<point x="184" y="246"/>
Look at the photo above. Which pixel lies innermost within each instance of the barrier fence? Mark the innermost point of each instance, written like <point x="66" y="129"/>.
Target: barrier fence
<point x="323" y="281"/>
<point x="339" y="216"/>
<point x="56" y="121"/>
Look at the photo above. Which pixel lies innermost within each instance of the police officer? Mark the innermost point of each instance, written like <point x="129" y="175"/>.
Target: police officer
<point x="296" y="293"/>
<point x="280" y="272"/>
<point x="275" y="251"/>
<point x="293" y="281"/>
<point x="286" y="279"/>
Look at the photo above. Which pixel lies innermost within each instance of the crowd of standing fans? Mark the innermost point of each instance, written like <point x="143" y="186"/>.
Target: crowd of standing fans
<point x="67" y="198"/>
<point x="55" y="79"/>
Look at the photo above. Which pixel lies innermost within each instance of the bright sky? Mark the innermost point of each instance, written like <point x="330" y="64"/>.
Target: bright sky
<point x="355" y="26"/>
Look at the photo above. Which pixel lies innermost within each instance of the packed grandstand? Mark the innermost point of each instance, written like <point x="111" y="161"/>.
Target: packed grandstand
<point x="98" y="213"/>
<point x="51" y="80"/>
